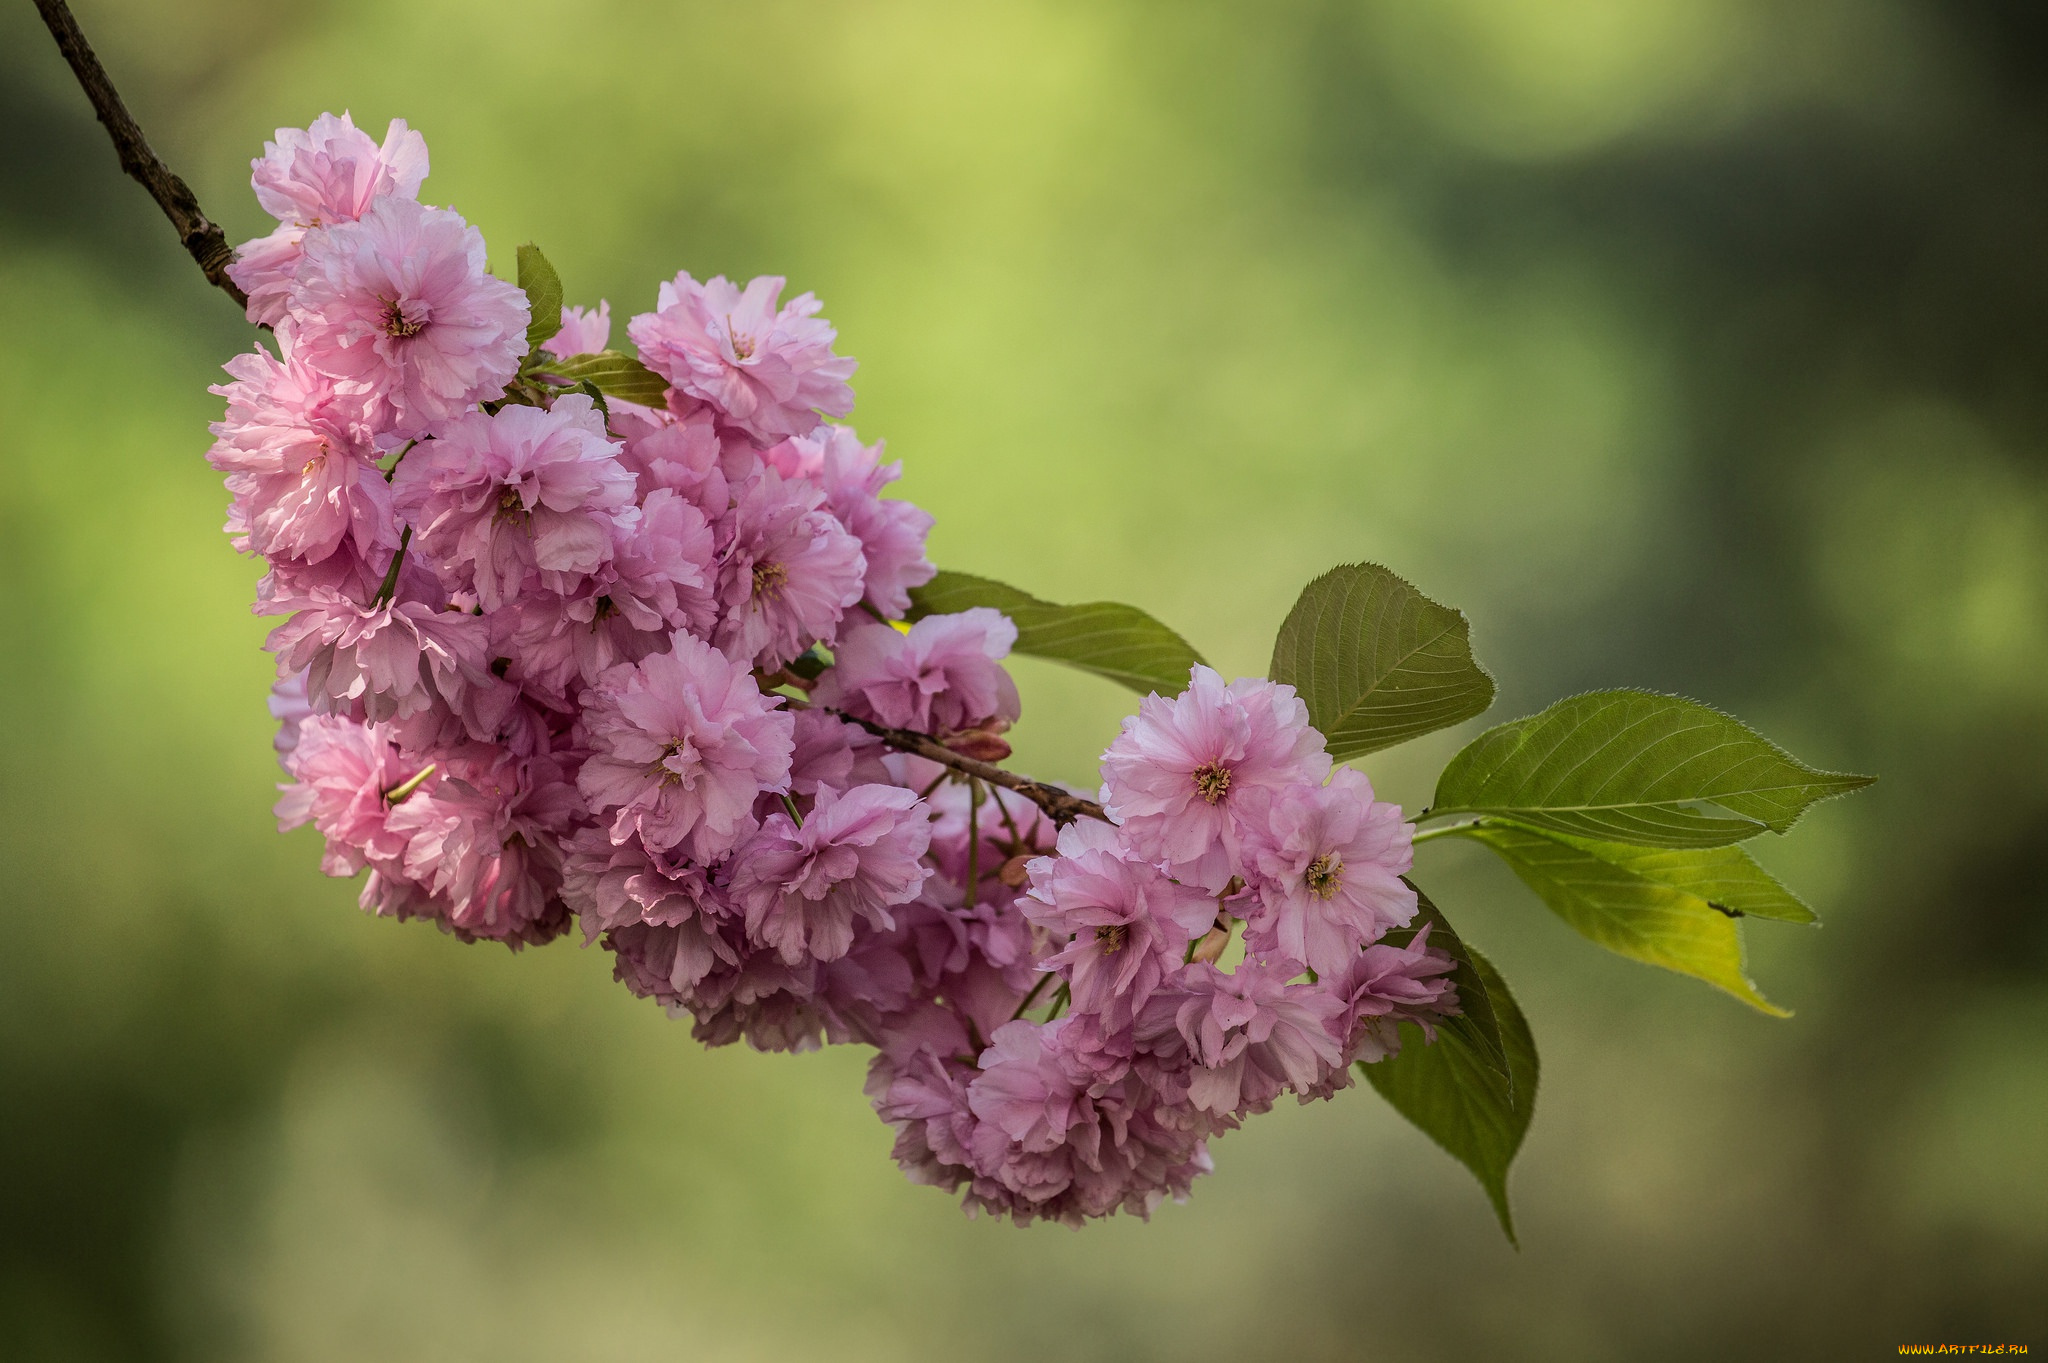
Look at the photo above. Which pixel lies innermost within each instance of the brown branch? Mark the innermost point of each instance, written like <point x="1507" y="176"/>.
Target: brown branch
<point x="1060" y="806"/>
<point x="205" y="241"/>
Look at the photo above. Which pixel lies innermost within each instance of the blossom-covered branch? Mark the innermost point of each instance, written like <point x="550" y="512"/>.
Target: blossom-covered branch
<point x="1062" y="807"/>
<point x="203" y="238"/>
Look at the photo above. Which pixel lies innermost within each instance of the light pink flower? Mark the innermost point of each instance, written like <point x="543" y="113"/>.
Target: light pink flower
<point x="290" y="706"/>
<point x="891" y="533"/>
<point x="767" y="366"/>
<point x="340" y="771"/>
<point x="328" y="173"/>
<point x="1251" y="1035"/>
<point x="1177" y="778"/>
<point x="1129" y="924"/>
<point x="389" y="660"/>
<point x="660" y="921"/>
<point x="1049" y="1146"/>
<point x="944" y="676"/>
<point x="857" y="853"/>
<point x="484" y="842"/>
<point x="333" y="171"/>
<point x="585" y="331"/>
<point x="528" y="493"/>
<point x="296" y="450"/>
<point x="686" y="457"/>
<point x="790" y="572"/>
<point x="1328" y="862"/>
<point x="681" y="743"/>
<point x="1386" y="985"/>
<point x="401" y="300"/>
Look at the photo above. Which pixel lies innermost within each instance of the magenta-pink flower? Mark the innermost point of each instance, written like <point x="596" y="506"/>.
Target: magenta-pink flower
<point x="789" y="574"/>
<point x="391" y="659"/>
<point x="295" y="447"/>
<point x="1251" y="1034"/>
<point x="1327" y="863"/>
<point x="857" y="853"/>
<point x="484" y="842"/>
<point x="341" y="771"/>
<point x="1388" y="984"/>
<point x="328" y="173"/>
<point x="681" y="743"/>
<point x="686" y="457"/>
<point x="661" y="920"/>
<point x="1177" y="778"/>
<point x="527" y="493"/>
<point x="585" y="331"/>
<point x="891" y="533"/>
<point x="402" y="300"/>
<point x="1128" y="923"/>
<point x="766" y="365"/>
<point x="333" y="171"/>
<point x="943" y="676"/>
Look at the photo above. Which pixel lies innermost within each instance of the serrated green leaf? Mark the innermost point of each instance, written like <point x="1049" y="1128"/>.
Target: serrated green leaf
<point x="1121" y="643"/>
<point x="1473" y="1111"/>
<point x="1628" y="766"/>
<point x="1477" y="1021"/>
<point x="1376" y="661"/>
<point x="543" y="290"/>
<point x="1647" y="904"/>
<point x="618" y="375"/>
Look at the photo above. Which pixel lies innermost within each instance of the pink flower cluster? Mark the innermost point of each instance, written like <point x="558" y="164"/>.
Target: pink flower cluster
<point x="546" y="657"/>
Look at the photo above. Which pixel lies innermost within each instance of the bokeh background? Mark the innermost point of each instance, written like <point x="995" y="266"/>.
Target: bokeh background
<point x="1692" y="344"/>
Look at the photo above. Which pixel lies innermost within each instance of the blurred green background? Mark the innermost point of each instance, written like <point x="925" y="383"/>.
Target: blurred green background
<point x="1692" y="344"/>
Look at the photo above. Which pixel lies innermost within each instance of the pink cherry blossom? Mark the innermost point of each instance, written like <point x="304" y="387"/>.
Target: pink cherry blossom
<point x="681" y="743"/>
<point x="333" y="171"/>
<point x="328" y="173"/>
<point x="527" y="493"/>
<point x="790" y="572"/>
<point x="891" y="533"/>
<point x="767" y="366"/>
<point x="296" y="448"/>
<point x="1251" y="1034"/>
<point x="401" y="300"/>
<point x="945" y="675"/>
<point x="1177" y="778"/>
<point x="341" y="771"/>
<point x="856" y="853"/>
<point x="584" y="332"/>
<point x="1327" y="863"/>
<point x="1127" y="922"/>
<point x="1388" y="984"/>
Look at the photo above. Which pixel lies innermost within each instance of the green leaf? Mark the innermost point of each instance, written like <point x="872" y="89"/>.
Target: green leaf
<point x="1376" y="661"/>
<point x="543" y="289"/>
<point x="1477" y="1022"/>
<point x="1628" y="766"/>
<point x="1115" y="641"/>
<point x="1675" y="909"/>
<point x="618" y="375"/>
<point x="596" y="396"/>
<point x="1460" y="1101"/>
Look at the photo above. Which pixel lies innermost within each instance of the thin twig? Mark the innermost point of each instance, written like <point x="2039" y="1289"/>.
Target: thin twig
<point x="205" y="241"/>
<point x="1059" y="806"/>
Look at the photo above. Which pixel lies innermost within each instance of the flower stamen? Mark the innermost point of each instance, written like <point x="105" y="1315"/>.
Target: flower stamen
<point x="1212" y="781"/>
<point x="397" y="324"/>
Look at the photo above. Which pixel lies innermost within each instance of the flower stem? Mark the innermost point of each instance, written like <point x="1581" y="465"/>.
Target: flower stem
<point x="203" y="239"/>
<point x="390" y="585"/>
<point x="1060" y="806"/>
<point x="1448" y="830"/>
<point x="1032" y="997"/>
